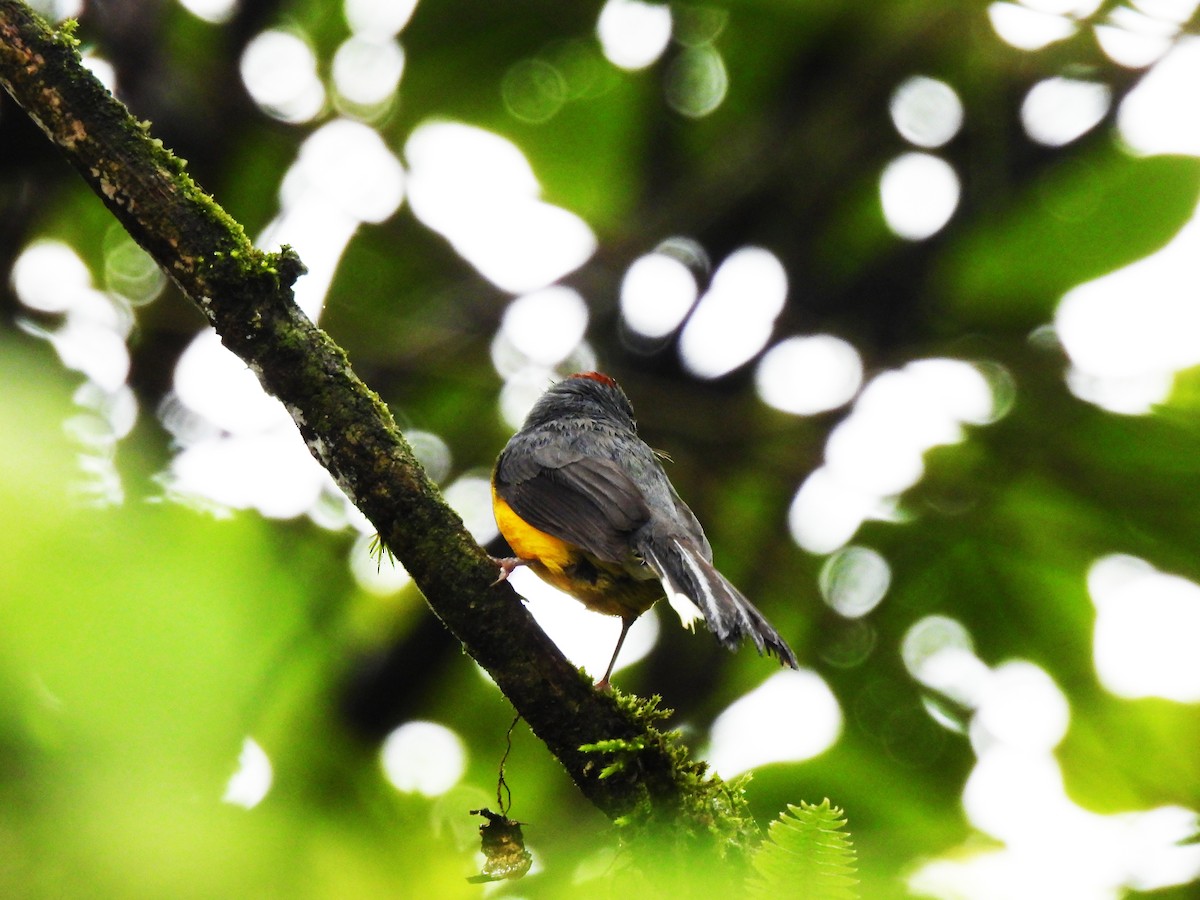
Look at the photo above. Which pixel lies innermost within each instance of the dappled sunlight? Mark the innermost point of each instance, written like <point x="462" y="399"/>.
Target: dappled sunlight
<point x="586" y="638"/>
<point x="1147" y="624"/>
<point x="423" y="758"/>
<point x="217" y="386"/>
<point x="238" y="447"/>
<point x="790" y="717"/>
<point x="735" y="317"/>
<point x="808" y="375"/>
<point x="877" y="451"/>
<point x="367" y="66"/>
<point x="827" y="511"/>
<point x="479" y="192"/>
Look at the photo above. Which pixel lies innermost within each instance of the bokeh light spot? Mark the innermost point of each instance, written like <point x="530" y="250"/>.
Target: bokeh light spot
<point x="477" y="190"/>
<point x="431" y="452"/>
<point x="1059" y="110"/>
<point x="696" y="82"/>
<point x="533" y="91"/>
<point x="104" y="71"/>
<point x="1133" y="39"/>
<point x="633" y="34"/>
<point x="1021" y="706"/>
<point x="374" y="570"/>
<point x="471" y="497"/>
<point x="827" y="511"/>
<point x="586" y="638"/>
<point x="213" y="11"/>
<point x="1146" y="628"/>
<point x="877" y="451"/>
<point x="919" y="194"/>
<point x="252" y="780"/>
<point x="1128" y="332"/>
<point x="132" y="272"/>
<point x="57" y="10"/>
<point x="378" y="19"/>
<point x="657" y="293"/>
<point x="49" y="275"/>
<point x="279" y="70"/>
<point x="545" y="326"/>
<point x="1159" y="115"/>
<point x="853" y="581"/>
<point x="939" y="653"/>
<point x="809" y="375"/>
<point x="735" y="318"/>
<point x="792" y="716"/>
<point x="367" y="72"/>
<point x="926" y="111"/>
<point x="1028" y="29"/>
<point x="423" y="758"/>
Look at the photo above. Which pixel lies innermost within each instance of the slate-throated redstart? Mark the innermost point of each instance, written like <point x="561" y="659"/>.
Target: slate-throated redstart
<point x="585" y="503"/>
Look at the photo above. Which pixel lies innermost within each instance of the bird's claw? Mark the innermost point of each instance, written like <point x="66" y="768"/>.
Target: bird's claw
<point x="506" y="565"/>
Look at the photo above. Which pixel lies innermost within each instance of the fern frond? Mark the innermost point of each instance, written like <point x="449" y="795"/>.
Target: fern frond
<point x="808" y="853"/>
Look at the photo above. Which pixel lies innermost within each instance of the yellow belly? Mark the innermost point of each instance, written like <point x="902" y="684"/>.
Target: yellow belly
<point x="601" y="586"/>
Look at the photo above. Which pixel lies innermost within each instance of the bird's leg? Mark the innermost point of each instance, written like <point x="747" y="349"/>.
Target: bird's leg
<point x="506" y="564"/>
<point x="603" y="684"/>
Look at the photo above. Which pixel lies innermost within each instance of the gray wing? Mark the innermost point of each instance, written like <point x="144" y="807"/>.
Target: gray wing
<point x="589" y="502"/>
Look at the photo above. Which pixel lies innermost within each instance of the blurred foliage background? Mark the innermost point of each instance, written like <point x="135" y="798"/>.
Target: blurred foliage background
<point x="908" y="290"/>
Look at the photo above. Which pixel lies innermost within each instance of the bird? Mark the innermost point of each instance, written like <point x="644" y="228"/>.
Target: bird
<point x="585" y="503"/>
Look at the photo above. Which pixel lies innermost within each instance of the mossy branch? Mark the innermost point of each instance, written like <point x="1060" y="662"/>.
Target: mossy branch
<point x="246" y="295"/>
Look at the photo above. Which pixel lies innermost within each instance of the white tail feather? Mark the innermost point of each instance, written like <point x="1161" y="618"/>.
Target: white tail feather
<point x="688" y="611"/>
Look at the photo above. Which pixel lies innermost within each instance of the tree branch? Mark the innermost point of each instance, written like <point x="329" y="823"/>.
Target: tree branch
<point x="246" y="295"/>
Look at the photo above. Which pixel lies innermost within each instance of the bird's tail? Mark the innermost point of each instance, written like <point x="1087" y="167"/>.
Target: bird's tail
<point x="695" y="588"/>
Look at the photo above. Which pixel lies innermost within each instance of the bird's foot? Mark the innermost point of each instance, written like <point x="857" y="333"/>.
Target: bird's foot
<point x="506" y="565"/>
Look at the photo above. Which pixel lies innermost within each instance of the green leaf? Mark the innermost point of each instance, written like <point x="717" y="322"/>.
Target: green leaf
<point x="808" y="853"/>
<point x="1083" y="219"/>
